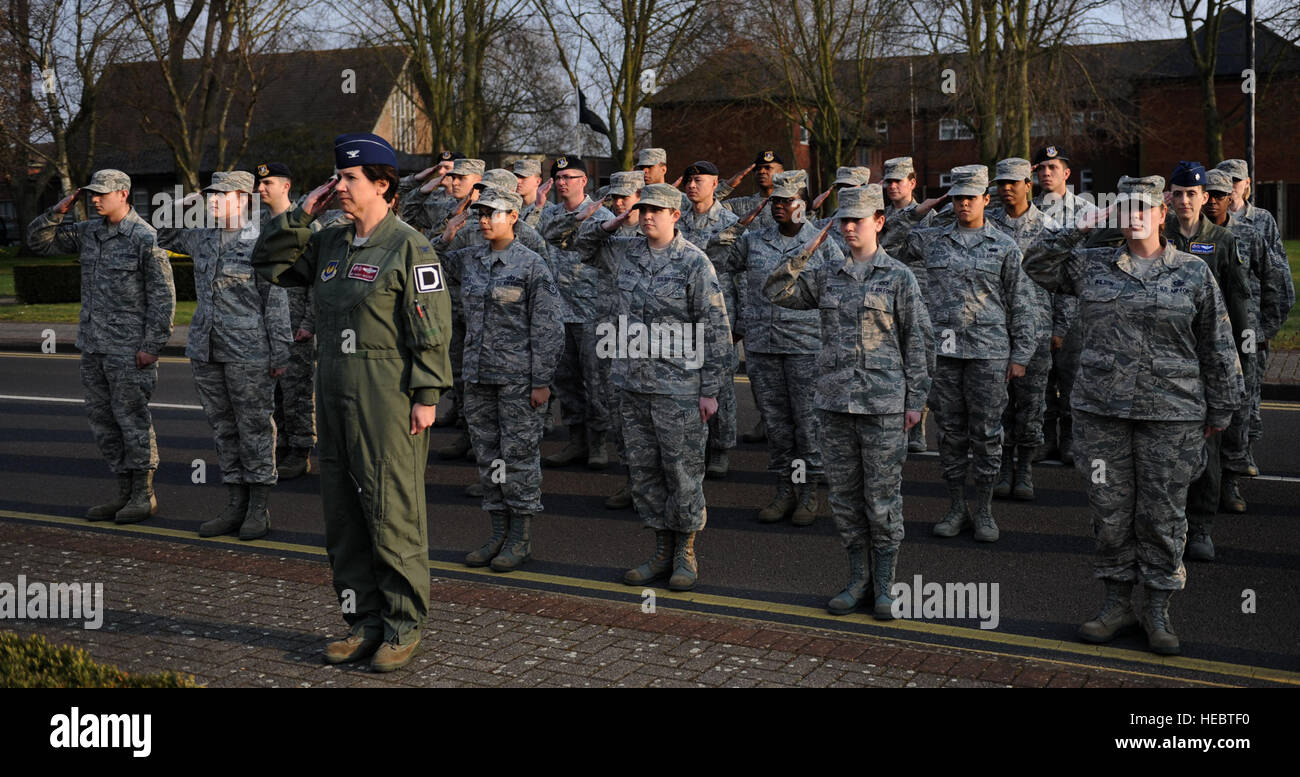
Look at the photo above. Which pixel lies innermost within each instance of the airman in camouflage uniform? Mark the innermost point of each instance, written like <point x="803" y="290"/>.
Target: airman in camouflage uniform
<point x="898" y="183"/>
<point x="1158" y="373"/>
<point x="1022" y="421"/>
<point x="666" y="286"/>
<point x="528" y="175"/>
<point x="238" y="345"/>
<point x="1272" y="291"/>
<point x="513" y="338"/>
<point x="845" y="178"/>
<point x="982" y="307"/>
<point x="874" y="377"/>
<point x="425" y="210"/>
<point x="295" y="395"/>
<point x="127" y="302"/>
<point x="712" y="229"/>
<point x="461" y="232"/>
<point x="781" y="347"/>
<point x="578" y="377"/>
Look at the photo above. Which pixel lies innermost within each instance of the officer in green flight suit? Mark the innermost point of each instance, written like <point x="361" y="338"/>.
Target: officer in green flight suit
<point x="383" y="322"/>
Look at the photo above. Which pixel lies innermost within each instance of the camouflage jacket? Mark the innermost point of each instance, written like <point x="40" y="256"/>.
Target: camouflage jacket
<point x="876" y="355"/>
<point x="470" y="235"/>
<point x="1025" y="229"/>
<point x="713" y="232"/>
<point x="1158" y="349"/>
<point x="531" y="215"/>
<point x="668" y="300"/>
<point x="240" y="317"/>
<point x="425" y="212"/>
<point x="741" y="206"/>
<point x="981" y="303"/>
<point x="514" y="332"/>
<point x="1065" y="211"/>
<point x="768" y="328"/>
<point x="579" y="283"/>
<point x="128" y="296"/>
<point x="899" y="222"/>
<point x="1271" y="285"/>
<point x="386" y="299"/>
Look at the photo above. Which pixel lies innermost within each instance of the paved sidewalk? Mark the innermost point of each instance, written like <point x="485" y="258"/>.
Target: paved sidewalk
<point x="237" y="619"/>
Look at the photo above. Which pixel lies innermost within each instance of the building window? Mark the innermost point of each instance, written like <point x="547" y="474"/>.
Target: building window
<point x="804" y="136"/>
<point x="403" y="115"/>
<point x="140" y="201"/>
<point x="882" y="128"/>
<point x="863" y="156"/>
<point x="1085" y="180"/>
<point x="952" y="129"/>
<point x="1041" y="126"/>
<point x="1076" y="123"/>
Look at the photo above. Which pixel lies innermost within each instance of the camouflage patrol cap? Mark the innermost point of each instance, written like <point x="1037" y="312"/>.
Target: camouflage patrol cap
<point x="493" y="198"/>
<point x="526" y="167"/>
<point x="788" y="183"/>
<point x="1237" y="169"/>
<point x="649" y="157"/>
<point x="231" y="181"/>
<point x="860" y="202"/>
<point x="1148" y="190"/>
<point x="105" y="181"/>
<point x="498" y="178"/>
<point x="466" y="166"/>
<point x="852" y="176"/>
<point x="969" y="181"/>
<point x="660" y="195"/>
<point x="1014" y="169"/>
<point x="1217" y="180"/>
<point x="625" y="184"/>
<point x="898" y="168"/>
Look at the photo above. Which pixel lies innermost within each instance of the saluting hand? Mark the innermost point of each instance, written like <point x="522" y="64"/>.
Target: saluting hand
<point x="544" y="190"/>
<point x="422" y="417"/>
<point x="453" y="226"/>
<point x="678" y="183"/>
<point x="66" y="203"/>
<point x="931" y="204"/>
<point x="753" y="214"/>
<point x="735" y="180"/>
<point x="590" y="210"/>
<point x="821" y="237"/>
<point x="1096" y="217"/>
<point x="431" y="185"/>
<point x="315" y="202"/>
<point x="425" y="173"/>
<point x="612" y="225"/>
<point x="817" y="203"/>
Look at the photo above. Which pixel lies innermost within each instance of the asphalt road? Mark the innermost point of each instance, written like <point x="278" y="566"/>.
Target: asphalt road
<point x="1042" y="564"/>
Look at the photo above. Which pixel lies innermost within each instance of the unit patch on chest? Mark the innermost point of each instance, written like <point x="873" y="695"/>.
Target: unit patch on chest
<point x="428" y="277"/>
<point x="331" y="269"/>
<point x="363" y="272"/>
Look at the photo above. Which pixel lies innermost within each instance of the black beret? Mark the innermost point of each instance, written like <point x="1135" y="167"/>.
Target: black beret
<point x="768" y="157"/>
<point x="268" y="169"/>
<point x="701" y="168"/>
<point x="568" y="161"/>
<point x="1050" y="152"/>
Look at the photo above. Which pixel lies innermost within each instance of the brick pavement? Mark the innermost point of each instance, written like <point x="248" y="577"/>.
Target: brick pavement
<point x="232" y="618"/>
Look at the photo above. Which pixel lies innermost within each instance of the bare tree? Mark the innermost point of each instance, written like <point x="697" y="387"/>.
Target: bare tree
<point x="619" y="49"/>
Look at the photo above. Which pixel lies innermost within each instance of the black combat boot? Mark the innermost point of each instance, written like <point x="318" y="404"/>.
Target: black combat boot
<point x="659" y="565"/>
<point x="109" y="509"/>
<point x="847" y="601"/>
<point x="142" y="504"/>
<point x="484" y="555"/>
<point x="257" y="521"/>
<point x="231" y="518"/>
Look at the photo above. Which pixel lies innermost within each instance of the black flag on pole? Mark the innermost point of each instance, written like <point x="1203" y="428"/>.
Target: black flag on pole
<point x="588" y="117"/>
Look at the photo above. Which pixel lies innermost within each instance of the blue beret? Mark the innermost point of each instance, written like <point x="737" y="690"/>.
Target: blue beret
<point x="1189" y="174"/>
<point x="363" y="148"/>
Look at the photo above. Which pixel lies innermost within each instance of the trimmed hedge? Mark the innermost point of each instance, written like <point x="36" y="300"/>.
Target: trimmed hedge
<point x="44" y="284"/>
<point x="35" y="663"/>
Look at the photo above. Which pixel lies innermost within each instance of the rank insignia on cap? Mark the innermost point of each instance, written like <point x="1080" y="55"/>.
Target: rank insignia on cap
<point x="331" y="269"/>
<point x="364" y="272"/>
<point x="1202" y="248"/>
<point x="263" y="170"/>
<point x="353" y="152"/>
<point x="768" y="156"/>
<point x="562" y="162"/>
<point x="446" y="155"/>
<point x="428" y="277"/>
<point x="1051" y="151"/>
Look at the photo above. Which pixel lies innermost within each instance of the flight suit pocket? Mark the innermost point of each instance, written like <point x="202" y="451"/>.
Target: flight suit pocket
<point x="422" y="332"/>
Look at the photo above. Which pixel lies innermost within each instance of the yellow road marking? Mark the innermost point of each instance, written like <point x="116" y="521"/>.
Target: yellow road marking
<point x="754" y="605"/>
<point x="21" y="355"/>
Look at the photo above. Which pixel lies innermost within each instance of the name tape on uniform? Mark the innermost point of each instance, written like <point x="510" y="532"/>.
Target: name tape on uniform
<point x="428" y="277"/>
<point x="363" y="272"/>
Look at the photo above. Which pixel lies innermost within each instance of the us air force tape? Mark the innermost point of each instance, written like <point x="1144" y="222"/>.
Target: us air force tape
<point x="428" y="277"/>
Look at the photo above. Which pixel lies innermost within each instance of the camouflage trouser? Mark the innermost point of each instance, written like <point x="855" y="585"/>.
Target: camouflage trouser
<point x="1060" y="380"/>
<point x="1206" y="486"/>
<point x="783" y="385"/>
<point x="722" y="426"/>
<point x="968" y="399"/>
<point x="506" y="431"/>
<point x="1245" y="426"/>
<point x="864" y="464"/>
<point x="578" y="382"/>
<point x="117" y="404"/>
<point x="456" y="351"/>
<point x="612" y="393"/>
<point x="1022" y="421"/>
<point x="1137" y="474"/>
<point x="665" y="455"/>
<point x="295" y="402"/>
<point x="237" y="398"/>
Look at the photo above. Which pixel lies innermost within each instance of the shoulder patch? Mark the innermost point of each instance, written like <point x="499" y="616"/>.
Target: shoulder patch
<point x="1202" y="248"/>
<point x="428" y="278"/>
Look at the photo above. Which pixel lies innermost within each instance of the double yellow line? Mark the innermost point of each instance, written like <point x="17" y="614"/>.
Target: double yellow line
<point x="820" y="617"/>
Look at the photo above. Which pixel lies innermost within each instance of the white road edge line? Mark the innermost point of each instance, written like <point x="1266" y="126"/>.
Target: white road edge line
<point x="71" y="401"/>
